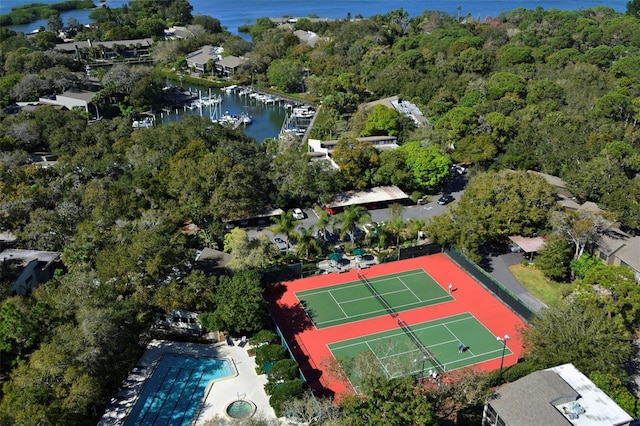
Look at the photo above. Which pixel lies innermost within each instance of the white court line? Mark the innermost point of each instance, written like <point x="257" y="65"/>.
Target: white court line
<point x="334" y="299"/>
<point x="414" y="295"/>
<point x="384" y="367"/>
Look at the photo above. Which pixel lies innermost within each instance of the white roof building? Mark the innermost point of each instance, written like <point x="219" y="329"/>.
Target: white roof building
<point x="403" y="107"/>
<point x="558" y="396"/>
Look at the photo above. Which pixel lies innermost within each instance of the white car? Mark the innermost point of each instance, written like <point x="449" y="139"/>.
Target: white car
<point x="298" y="214"/>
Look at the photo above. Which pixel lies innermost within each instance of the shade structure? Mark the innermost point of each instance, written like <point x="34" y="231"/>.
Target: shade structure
<point x="335" y="256"/>
<point x="358" y="252"/>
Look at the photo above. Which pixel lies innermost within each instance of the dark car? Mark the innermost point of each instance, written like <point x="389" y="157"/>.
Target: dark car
<point x="445" y="199"/>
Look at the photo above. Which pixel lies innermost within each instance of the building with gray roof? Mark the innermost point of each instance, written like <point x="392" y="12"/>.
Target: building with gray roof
<point x="558" y="396"/>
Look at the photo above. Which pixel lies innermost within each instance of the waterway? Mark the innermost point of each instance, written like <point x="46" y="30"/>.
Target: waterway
<point x="233" y="14"/>
<point x="267" y="119"/>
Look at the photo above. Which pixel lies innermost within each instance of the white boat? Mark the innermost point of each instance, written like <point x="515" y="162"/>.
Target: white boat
<point x="234" y="88"/>
<point x="144" y="123"/>
<point x="303" y="112"/>
<point x="245" y="119"/>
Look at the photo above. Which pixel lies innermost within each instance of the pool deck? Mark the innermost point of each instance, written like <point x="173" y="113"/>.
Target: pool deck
<point x="246" y="385"/>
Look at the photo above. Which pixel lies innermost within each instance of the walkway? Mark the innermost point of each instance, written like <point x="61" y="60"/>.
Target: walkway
<point x="246" y="385"/>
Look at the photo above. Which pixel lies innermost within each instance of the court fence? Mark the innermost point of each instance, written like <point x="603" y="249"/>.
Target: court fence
<point x="491" y="284"/>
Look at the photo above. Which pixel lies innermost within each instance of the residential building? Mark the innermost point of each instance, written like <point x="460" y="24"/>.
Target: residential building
<point x="198" y="59"/>
<point x="618" y="248"/>
<point x="614" y="247"/>
<point x="73" y="98"/>
<point x="372" y="198"/>
<point x="321" y="150"/>
<point x="558" y="396"/>
<point x="404" y="107"/>
<point x="107" y="49"/>
<point x="30" y="268"/>
<point x="228" y="66"/>
<point x="308" y="37"/>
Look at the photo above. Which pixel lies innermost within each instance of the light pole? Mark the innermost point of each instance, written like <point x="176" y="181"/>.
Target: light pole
<point x="504" y="348"/>
<point x="424" y="358"/>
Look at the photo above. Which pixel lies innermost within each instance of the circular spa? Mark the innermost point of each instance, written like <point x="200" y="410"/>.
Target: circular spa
<point x="240" y="409"/>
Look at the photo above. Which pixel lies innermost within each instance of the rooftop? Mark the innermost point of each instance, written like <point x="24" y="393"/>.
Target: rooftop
<point x="559" y="396"/>
<point x="367" y="196"/>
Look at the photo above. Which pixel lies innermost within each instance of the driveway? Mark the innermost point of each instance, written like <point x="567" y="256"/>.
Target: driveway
<point x="497" y="265"/>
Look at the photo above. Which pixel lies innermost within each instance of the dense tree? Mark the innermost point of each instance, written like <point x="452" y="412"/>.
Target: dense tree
<point x="429" y="166"/>
<point x="494" y="206"/>
<point x="357" y="161"/>
<point x="286" y="74"/>
<point x="554" y="257"/>
<point x="240" y="307"/>
<point x="390" y="402"/>
<point x="382" y="121"/>
<point x="613" y="290"/>
<point x="247" y="253"/>
<point x="581" y="228"/>
<point x="578" y="333"/>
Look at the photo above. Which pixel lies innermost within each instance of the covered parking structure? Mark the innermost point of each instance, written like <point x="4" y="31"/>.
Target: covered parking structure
<point x="371" y="198"/>
<point x="529" y="245"/>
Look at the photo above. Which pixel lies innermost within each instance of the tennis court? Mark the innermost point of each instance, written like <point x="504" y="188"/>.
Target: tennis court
<point x="418" y="348"/>
<point x="371" y="297"/>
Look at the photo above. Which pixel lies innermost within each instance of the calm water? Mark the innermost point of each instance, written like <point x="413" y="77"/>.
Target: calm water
<point x="232" y="14"/>
<point x="174" y="391"/>
<point x="267" y="119"/>
<point x="239" y="12"/>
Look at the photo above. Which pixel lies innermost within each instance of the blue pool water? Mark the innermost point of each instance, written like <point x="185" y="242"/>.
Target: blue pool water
<point x="173" y="393"/>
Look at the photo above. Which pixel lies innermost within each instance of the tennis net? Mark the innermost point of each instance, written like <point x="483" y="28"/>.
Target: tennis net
<point x="420" y="345"/>
<point x="377" y="295"/>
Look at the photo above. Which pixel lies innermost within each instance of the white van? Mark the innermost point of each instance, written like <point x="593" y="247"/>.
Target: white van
<point x="298" y="214"/>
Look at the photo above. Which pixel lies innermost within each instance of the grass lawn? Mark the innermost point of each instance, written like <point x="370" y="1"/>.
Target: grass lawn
<point x="548" y="292"/>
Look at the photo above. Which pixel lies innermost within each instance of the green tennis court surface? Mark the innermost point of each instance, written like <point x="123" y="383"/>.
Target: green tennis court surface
<point x="397" y="354"/>
<point x="354" y="301"/>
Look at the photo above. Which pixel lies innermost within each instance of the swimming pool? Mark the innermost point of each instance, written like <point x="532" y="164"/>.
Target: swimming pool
<point x="173" y="393"/>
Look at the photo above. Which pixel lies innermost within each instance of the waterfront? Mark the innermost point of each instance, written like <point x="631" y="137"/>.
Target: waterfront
<point x="267" y="118"/>
<point x="242" y="12"/>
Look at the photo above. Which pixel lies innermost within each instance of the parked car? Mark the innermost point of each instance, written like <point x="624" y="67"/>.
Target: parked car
<point x="445" y="199"/>
<point x="423" y="200"/>
<point x="229" y="225"/>
<point x="329" y="237"/>
<point x="371" y="228"/>
<point x="298" y="214"/>
<point x="244" y="223"/>
<point x="458" y="170"/>
<point x="514" y="248"/>
<point x="280" y="243"/>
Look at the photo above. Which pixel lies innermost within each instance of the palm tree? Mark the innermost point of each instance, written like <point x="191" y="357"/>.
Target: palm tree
<point x="351" y="217"/>
<point x="283" y="225"/>
<point x="306" y="240"/>
<point x="324" y="219"/>
<point x="413" y="227"/>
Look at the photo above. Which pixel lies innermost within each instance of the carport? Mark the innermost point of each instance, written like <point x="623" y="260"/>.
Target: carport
<point x="529" y="245"/>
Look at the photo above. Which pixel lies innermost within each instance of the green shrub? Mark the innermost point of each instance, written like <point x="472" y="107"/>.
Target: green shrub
<point x="268" y="353"/>
<point x="281" y="371"/>
<point x="517" y="371"/>
<point x="292" y="389"/>
<point x="262" y="337"/>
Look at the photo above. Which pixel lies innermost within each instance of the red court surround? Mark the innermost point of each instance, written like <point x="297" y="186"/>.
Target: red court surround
<point x="309" y="344"/>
